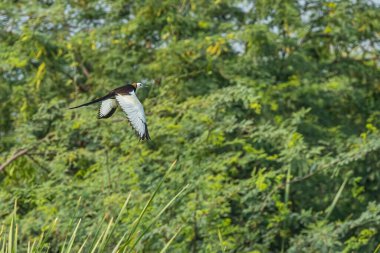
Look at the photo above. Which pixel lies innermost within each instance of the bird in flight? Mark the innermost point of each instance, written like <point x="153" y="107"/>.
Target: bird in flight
<point x="125" y="97"/>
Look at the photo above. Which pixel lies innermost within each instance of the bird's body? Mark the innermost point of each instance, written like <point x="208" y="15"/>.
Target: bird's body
<point x="125" y="97"/>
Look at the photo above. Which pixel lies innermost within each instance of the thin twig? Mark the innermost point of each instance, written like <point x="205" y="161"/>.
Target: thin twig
<point x="30" y="156"/>
<point x="108" y="172"/>
<point x="16" y="155"/>
<point x="21" y="152"/>
<point x="295" y="180"/>
<point x="85" y="70"/>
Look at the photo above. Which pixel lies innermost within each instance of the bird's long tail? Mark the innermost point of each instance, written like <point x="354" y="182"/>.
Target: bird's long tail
<point x="93" y="101"/>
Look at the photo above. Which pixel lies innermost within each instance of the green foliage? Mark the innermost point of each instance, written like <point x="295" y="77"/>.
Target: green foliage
<point x="100" y="239"/>
<point x="270" y="107"/>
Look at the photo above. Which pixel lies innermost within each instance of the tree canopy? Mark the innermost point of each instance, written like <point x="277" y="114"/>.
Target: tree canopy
<point x="271" y="109"/>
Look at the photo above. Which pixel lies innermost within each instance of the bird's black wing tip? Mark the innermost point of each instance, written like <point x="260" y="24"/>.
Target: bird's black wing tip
<point x="145" y="138"/>
<point x="146" y="135"/>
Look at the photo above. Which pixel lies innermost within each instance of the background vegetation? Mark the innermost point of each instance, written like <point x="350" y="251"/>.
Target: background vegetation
<point x="271" y="109"/>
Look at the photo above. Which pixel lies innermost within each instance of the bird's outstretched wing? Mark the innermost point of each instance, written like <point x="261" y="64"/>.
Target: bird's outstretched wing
<point x="107" y="108"/>
<point x="134" y="110"/>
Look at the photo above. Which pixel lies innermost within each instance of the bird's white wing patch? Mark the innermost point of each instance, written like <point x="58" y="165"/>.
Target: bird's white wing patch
<point x="135" y="113"/>
<point x="107" y="108"/>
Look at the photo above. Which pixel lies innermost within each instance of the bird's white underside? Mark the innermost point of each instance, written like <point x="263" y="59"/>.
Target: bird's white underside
<point x="134" y="110"/>
<point x="106" y="107"/>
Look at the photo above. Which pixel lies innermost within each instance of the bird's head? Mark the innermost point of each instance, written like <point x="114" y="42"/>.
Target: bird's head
<point x="137" y="85"/>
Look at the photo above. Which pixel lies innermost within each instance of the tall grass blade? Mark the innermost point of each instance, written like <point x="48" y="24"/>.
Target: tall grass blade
<point x="337" y="196"/>
<point x="171" y="240"/>
<point x="32" y="246"/>
<point x="158" y="216"/>
<point x="2" y="239"/>
<point x="15" y="237"/>
<point x="40" y="241"/>
<point x="82" y="247"/>
<point x="73" y="236"/>
<point x="3" y="246"/>
<point x="221" y="241"/>
<point x="97" y="242"/>
<point x="72" y="221"/>
<point x="12" y="239"/>
<point x="115" y="250"/>
<point x="94" y="241"/>
<point x="117" y="220"/>
<point x="105" y="236"/>
<point x="287" y="187"/>
<point x="146" y="206"/>
<point x="286" y="199"/>
<point x="377" y="249"/>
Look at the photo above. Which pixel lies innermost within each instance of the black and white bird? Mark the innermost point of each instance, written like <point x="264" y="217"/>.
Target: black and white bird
<point x="125" y="97"/>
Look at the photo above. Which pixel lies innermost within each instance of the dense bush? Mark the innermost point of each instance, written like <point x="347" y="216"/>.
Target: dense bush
<point x="271" y="109"/>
